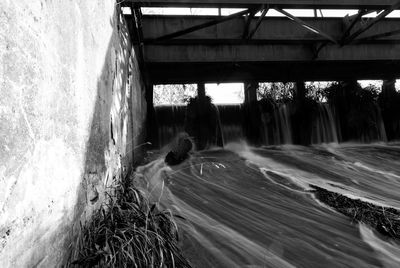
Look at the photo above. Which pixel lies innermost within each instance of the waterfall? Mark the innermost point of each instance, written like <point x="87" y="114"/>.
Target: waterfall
<point x="285" y="124"/>
<point x="324" y="126"/>
<point x="381" y="125"/>
<point x="170" y="121"/>
<point x="231" y="117"/>
<point x="275" y="124"/>
<point x="372" y="127"/>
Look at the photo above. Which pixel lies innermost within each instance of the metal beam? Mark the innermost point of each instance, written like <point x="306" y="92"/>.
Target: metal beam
<point x="377" y="36"/>
<point x="353" y="22"/>
<point x="311" y="4"/>
<point x="249" y="18"/>
<point x="259" y="21"/>
<point x="307" y="25"/>
<point x="372" y="22"/>
<point x="201" y="26"/>
<point x="270" y="30"/>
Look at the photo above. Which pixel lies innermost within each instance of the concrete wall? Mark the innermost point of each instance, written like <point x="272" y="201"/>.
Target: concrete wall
<point x="71" y="113"/>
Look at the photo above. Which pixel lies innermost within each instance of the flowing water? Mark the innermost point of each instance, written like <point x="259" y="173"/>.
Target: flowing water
<point x="170" y="122"/>
<point x="230" y="122"/>
<point x="276" y="124"/>
<point x="324" y="127"/>
<point x="251" y="207"/>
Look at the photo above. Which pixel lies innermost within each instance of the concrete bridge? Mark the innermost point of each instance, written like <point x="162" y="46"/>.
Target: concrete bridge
<point x="76" y="99"/>
<point x="245" y="47"/>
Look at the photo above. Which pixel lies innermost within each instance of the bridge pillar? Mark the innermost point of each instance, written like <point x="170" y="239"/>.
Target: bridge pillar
<point x="201" y="91"/>
<point x="388" y="86"/>
<point x="250" y="92"/>
<point x="350" y="85"/>
<point x="149" y="96"/>
<point x="301" y="115"/>
<point x="388" y="102"/>
<point x="252" y="115"/>
<point x="299" y="90"/>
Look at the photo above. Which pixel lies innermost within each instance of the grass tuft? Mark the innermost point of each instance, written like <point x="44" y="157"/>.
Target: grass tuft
<point x="128" y="231"/>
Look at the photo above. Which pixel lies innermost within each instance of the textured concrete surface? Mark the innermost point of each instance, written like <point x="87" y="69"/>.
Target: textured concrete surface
<point x="71" y="113"/>
<point x="279" y="30"/>
<point x="339" y="4"/>
<point x="280" y="50"/>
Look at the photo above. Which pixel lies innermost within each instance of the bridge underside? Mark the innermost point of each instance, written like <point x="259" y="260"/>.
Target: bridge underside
<point x="334" y="4"/>
<point x="178" y="73"/>
<point x="242" y="46"/>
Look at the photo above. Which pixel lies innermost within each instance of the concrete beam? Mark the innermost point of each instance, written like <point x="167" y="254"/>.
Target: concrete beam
<point x="269" y="53"/>
<point x="280" y="50"/>
<point x="312" y="4"/>
<point x="269" y="29"/>
<point x="277" y="39"/>
<point x="173" y="72"/>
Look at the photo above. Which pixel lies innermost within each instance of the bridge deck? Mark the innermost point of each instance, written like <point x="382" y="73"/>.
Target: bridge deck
<point x="242" y="46"/>
<point x="331" y="4"/>
<point x="269" y="30"/>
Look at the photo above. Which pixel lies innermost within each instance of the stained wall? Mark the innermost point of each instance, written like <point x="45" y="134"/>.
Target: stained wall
<point x="72" y="115"/>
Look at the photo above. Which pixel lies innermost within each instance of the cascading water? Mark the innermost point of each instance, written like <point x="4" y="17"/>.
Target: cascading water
<point x="231" y="117"/>
<point x="371" y="128"/>
<point x="275" y="124"/>
<point x="171" y="121"/>
<point x="285" y="129"/>
<point x="324" y="126"/>
<point x="381" y="126"/>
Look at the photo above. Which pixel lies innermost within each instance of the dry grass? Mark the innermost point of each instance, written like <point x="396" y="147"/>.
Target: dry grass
<point x="129" y="232"/>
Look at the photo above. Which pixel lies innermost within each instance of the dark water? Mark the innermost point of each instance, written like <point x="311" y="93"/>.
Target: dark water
<point x="249" y="207"/>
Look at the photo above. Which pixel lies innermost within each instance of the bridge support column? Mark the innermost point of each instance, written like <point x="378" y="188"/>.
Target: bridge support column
<point x="389" y="86"/>
<point x="300" y="90"/>
<point x="389" y="109"/>
<point x="250" y="92"/>
<point x="252" y="116"/>
<point x="201" y="91"/>
<point x="301" y="115"/>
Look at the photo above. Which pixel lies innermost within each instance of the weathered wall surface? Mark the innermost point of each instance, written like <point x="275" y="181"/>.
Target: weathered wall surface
<point x="71" y="113"/>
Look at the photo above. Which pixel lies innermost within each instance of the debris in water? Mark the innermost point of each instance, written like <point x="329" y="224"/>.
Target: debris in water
<point x="385" y="220"/>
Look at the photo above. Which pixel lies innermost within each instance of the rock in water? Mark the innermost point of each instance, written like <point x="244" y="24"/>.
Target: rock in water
<point x="180" y="150"/>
